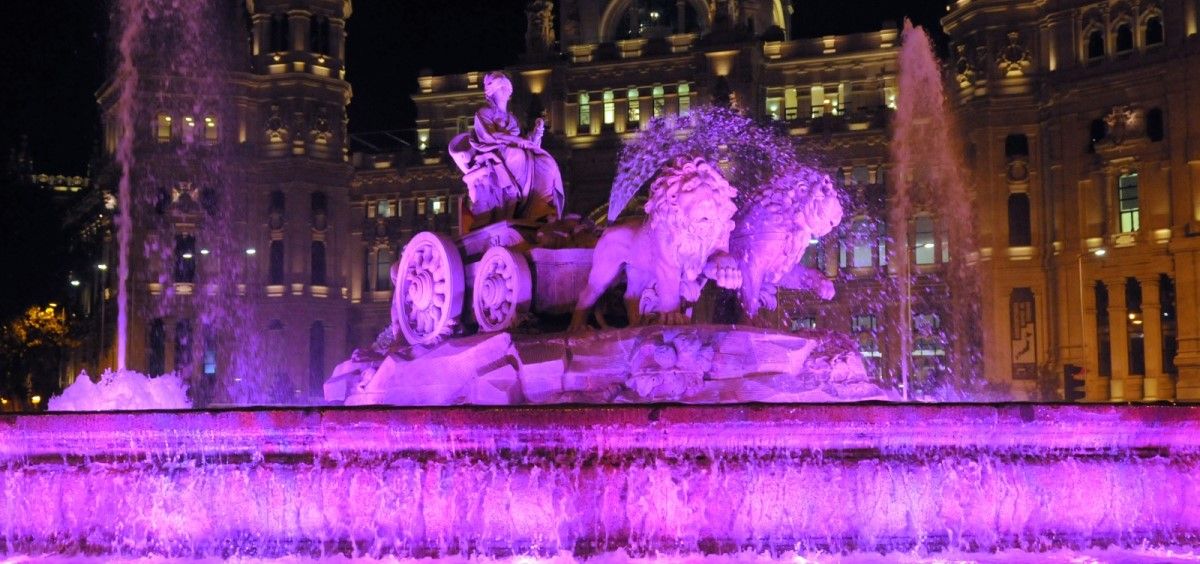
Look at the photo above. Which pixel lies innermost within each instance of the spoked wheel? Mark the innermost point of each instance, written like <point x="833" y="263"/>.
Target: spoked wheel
<point x="428" y="296"/>
<point x="503" y="289"/>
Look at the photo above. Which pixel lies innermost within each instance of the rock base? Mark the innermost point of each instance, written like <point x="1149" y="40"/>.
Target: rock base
<point x="701" y="364"/>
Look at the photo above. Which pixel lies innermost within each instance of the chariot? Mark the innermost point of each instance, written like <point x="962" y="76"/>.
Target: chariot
<point x="494" y="276"/>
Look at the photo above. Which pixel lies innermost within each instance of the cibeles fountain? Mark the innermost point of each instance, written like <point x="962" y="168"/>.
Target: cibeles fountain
<point x="555" y="390"/>
<point x="479" y="319"/>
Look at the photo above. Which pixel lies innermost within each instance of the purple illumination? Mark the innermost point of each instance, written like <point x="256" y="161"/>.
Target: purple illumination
<point x="650" y="480"/>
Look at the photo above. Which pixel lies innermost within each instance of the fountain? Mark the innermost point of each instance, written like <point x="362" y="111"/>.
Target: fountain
<point x="471" y="438"/>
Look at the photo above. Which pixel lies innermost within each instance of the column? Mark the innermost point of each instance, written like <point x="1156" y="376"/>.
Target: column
<point x="1096" y="386"/>
<point x="680" y="16"/>
<point x="1187" y="289"/>
<point x="298" y="22"/>
<point x="1118" y="336"/>
<point x="1154" y="385"/>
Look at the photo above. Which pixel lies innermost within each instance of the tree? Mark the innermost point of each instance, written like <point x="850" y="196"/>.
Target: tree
<point x="31" y="348"/>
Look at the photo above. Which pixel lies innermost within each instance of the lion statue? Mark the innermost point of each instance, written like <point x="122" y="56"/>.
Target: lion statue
<point x="773" y="232"/>
<point x="671" y="253"/>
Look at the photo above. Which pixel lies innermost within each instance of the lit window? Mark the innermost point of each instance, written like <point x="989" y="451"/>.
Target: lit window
<point x="789" y="104"/>
<point x="889" y="97"/>
<point x="803" y="323"/>
<point x="775" y="108"/>
<point x="383" y="208"/>
<point x="420" y="206"/>
<point x="210" y="354"/>
<point x="610" y="108"/>
<point x="924" y="240"/>
<point x="659" y="101"/>
<point x="1127" y="194"/>
<point x="210" y="129"/>
<point x="585" y="110"/>
<point x="818" y="100"/>
<point x="371" y="209"/>
<point x="685" y="99"/>
<point x="635" y="106"/>
<point x="162" y="129"/>
<point x="438" y="206"/>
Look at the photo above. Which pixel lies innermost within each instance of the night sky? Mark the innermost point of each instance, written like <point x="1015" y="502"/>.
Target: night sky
<point x="54" y="59"/>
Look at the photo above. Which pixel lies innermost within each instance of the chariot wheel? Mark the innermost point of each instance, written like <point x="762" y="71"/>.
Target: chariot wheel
<point x="428" y="296"/>
<point x="503" y="289"/>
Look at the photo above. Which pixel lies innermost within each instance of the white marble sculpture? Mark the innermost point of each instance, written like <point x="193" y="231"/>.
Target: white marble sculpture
<point x="508" y="176"/>
<point x="669" y="255"/>
<point x="773" y="232"/>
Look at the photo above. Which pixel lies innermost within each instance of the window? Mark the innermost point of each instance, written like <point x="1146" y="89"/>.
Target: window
<point x="926" y="328"/>
<point x="610" y="108"/>
<point x="183" y="345"/>
<point x="316" y="355"/>
<point x="1095" y="44"/>
<point x="658" y="105"/>
<point x="1154" y="125"/>
<point x="275" y="269"/>
<point x="438" y="205"/>
<point x="318" y="35"/>
<point x="279" y="33"/>
<point x="1128" y="205"/>
<point x="585" y="110"/>
<point x="789" y="104"/>
<point x="383" y="265"/>
<point x="318" y="263"/>
<point x="210" y="354"/>
<point x="210" y="129"/>
<point x="1016" y="145"/>
<point x="1154" y="31"/>
<point x="818" y="100"/>
<point x="635" y="106"/>
<point x="185" y="259"/>
<point x="889" y="97"/>
<point x="685" y="99"/>
<point x="1020" y="231"/>
<point x="802" y="323"/>
<point x="275" y="208"/>
<point x="162" y="128"/>
<point x="1124" y="38"/>
<point x="859" y="247"/>
<point x="923" y="240"/>
<point x="775" y="108"/>
<point x="1096" y="133"/>
<point x="385" y="208"/>
<point x="156" y="355"/>
<point x="814" y="256"/>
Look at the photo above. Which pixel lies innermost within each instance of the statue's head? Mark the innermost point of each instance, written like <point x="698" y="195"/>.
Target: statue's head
<point x="692" y="200"/>
<point x="497" y="85"/>
<point x="822" y="209"/>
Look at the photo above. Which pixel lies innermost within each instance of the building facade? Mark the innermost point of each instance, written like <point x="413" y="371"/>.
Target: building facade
<point x="1077" y="130"/>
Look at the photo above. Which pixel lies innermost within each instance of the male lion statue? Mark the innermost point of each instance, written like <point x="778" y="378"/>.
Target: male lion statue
<point x="774" y="231"/>
<point x="670" y="254"/>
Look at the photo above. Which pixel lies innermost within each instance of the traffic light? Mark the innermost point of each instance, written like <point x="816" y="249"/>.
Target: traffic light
<point x="1073" y="383"/>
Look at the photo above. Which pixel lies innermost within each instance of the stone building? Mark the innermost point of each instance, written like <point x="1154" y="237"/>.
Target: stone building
<point x="1077" y="132"/>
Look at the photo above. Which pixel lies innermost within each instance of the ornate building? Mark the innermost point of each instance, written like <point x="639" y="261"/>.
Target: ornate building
<point x="1077" y="125"/>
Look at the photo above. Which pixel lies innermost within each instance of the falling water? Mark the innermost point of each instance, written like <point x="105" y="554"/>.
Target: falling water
<point x="930" y="179"/>
<point x="175" y="59"/>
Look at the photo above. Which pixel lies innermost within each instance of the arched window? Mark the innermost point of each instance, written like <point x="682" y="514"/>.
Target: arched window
<point x="210" y="129"/>
<point x="585" y="111"/>
<point x="318" y="263"/>
<point x="1154" y="125"/>
<point x="1095" y="44"/>
<point x="162" y="128"/>
<point x="1124" y="38"/>
<point x="185" y="259"/>
<point x="280" y="33"/>
<point x="275" y="269"/>
<point x="156" y="355"/>
<point x="316" y="355"/>
<point x="183" y="345"/>
<point x="1020" y="229"/>
<point x="657" y="18"/>
<point x="318" y="35"/>
<point x="384" y="257"/>
<point x="1154" y="31"/>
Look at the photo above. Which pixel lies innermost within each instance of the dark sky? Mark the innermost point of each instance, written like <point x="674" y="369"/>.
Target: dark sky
<point x="53" y="59"/>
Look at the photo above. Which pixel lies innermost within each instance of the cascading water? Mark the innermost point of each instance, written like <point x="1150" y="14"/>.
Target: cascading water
<point x="930" y="214"/>
<point x="179" y="195"/>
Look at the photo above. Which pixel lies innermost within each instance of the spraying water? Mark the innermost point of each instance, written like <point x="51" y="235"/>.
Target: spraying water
<point x="131" y="15"/>
<point x="930" y="213"/>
